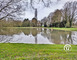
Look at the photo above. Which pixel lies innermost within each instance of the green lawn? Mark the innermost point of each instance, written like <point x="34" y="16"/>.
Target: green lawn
<point x="66" y="29"/>
<point x="55" y="28"/>
<point x="36" y="52"/>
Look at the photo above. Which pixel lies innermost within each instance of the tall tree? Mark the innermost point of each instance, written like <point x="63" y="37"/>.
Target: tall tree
<point x="70" y="12"/>
<point x="56" y="16"/>
<point x="26" y="23"/>
<point x="34" y="22"/>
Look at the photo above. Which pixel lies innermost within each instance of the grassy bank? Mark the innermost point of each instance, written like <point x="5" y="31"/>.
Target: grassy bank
<point x="36" y="52"/>
<point x="66" y="29"/>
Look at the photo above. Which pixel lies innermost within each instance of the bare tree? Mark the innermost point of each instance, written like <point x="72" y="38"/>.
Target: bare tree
<point x="10" y="8"/>
<point x="46" y="3"/>
<point x="70" y="12"/>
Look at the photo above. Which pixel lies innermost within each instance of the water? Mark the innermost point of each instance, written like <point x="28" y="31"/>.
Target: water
<point x="37" y="36"/>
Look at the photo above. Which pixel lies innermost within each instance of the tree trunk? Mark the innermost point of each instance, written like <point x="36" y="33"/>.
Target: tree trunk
<point x="70" y="23"/>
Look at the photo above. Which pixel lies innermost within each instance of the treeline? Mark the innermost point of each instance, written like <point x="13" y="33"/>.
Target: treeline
<point x="25" y="23"/>
<point x="10" y="23"/>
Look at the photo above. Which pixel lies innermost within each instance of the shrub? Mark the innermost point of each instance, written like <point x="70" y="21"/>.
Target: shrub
<point x="67" y="25"/>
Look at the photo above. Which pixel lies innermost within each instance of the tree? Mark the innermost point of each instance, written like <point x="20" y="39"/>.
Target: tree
<point x="26" y="23"/>
<point x="10" y="23"/>
<point x="10" y="8"/>
<point x="56" y="16"/>
<point x="34" y="22"/>
<point x="70" y="12"/>
<point x="45" y="25"/>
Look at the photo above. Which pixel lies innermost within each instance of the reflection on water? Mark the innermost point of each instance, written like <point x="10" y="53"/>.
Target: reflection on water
<point x="37" y="36"/>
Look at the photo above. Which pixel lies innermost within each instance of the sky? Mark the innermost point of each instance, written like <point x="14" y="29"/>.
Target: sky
<point x="44" y="11"/>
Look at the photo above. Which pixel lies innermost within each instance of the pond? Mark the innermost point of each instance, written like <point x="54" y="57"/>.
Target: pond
<point x="37" y="36"/>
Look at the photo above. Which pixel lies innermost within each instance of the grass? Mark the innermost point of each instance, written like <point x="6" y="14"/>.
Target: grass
<point x="55" y="28"/>
<point x="66" y="29"/>
<point x="12" y="51"/>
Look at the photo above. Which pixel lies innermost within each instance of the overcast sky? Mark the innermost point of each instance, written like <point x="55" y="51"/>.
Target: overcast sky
<point x="43" y="11"/>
